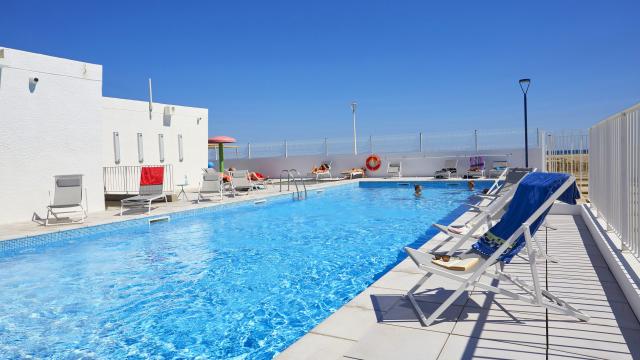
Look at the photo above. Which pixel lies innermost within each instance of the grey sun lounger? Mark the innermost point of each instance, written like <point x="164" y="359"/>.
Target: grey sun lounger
<point x="148" y="193"/>
<point x="67" y="200"/>
<point x="449" y="170"/>
<point x="211" y="186"/>
<point x="240" y="181"/>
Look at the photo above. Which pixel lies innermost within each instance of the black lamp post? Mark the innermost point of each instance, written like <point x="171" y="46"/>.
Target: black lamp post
<point x="524" y="85"/>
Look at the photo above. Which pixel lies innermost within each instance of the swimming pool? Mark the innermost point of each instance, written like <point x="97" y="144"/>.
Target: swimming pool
<point x="243" y="281"/>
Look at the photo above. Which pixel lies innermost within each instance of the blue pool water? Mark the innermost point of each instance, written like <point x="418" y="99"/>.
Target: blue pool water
<point x="241" y="282"/>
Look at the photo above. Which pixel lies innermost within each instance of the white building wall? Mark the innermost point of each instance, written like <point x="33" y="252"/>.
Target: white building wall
<point x="130" y="117"/>
<point x="48" y="129"/>
<point x="63" y="125"/>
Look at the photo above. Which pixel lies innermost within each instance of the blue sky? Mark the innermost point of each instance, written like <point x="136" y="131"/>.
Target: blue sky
<point x="269" y="70"/>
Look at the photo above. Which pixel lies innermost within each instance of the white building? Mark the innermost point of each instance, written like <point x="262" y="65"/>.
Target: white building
<point x="54" y="120"/>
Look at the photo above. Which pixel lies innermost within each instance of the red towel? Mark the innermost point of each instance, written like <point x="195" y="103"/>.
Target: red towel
<point x="257" y="176"/>
<point x="152" y="175"/>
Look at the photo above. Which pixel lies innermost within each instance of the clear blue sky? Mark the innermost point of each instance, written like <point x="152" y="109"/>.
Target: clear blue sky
<point x="269" y="70"/>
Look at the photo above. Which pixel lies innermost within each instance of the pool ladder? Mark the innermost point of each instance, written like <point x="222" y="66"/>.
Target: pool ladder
<point x="294" y="176"/>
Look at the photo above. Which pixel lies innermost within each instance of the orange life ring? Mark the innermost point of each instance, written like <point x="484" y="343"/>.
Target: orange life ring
<point x="373" y="162"/>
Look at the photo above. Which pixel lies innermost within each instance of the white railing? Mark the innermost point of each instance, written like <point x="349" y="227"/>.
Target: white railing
<point x="424" y="142"/>
<point x="568" y="152"/>
<point x="614" y="174"/>
<point x="126" y="179"/>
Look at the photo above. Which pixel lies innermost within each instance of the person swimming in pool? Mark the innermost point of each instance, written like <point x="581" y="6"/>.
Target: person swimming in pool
<point x="418" y="190"/>
<point x="471" y="185"/>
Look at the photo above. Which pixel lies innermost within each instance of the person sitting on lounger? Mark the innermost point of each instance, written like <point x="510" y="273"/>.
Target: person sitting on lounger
<point x="323" y="168"/>
<point x="256" y="176"/>
<point x="226" y="177"/>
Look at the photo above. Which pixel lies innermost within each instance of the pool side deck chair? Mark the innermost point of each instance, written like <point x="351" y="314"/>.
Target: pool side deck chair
<point x="151" y="185"/>
<point x="511" y="178"/>
<point x="449" y="170"/>
<point x="323" y="171"/>
<point x="515" y="231"/>
<point x="498" y="169"/>
<point x="240" y="181"/>
<point x="211" y="186"/>
<point x="394" y="169"/>
<point x="67" y="200"/>
<point x="476" y="167"/>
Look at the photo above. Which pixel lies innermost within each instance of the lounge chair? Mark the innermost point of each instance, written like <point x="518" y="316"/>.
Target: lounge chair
<point x="515" y="231"/>
<point x="151" y="185"/>
<point x="512" y="177"/>
<point x="240" y="181"/>
<point x="498" y="169"/>
<point x="487" y="214"/>
<point x="394" y="169"/>
<point x="476" y="167"/>
<point x="211" y="186"/>
<point x="322" y="171"/>
<point x="449" y="170"/>
<point x="67" y="199"/>
<point x="259" y="181"/>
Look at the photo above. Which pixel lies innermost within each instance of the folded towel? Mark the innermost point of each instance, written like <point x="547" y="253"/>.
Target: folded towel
<point x="457" y="264"/>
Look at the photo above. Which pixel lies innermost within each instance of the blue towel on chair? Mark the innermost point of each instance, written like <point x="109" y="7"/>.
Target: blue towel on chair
<point x="532" y="192"/>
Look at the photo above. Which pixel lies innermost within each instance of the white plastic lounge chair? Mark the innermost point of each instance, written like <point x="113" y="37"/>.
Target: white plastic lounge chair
<point x="240" y="181"/>
<point x="449" y="170"/>
<point x="394" y="169"/>
<point x="323" y="174"/>
<point x="498" y="169"/>
<point x="151" y="185"/>
<point x="476" y="167"/>
<point x="512" y="177"/>
<point x="487" y="214"/>
<point x="211" y="186"/>
<point x="514" y="232"/>
<point x="67" y="199"/>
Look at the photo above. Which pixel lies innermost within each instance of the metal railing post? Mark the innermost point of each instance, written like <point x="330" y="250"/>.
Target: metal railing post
<point x="420" y="136"/>
<point x="326" y="147"/>
<point x="248" y="150"/>
<point x="286" y="150"/>
<point x="370" y="144"/>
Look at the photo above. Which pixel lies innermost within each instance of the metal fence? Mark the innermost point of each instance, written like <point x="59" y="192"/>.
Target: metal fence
<point x="126" y="179"/>
<point x="568" y="152"/>
<point x="426" y="142"/>
<point x="615" y="174"/>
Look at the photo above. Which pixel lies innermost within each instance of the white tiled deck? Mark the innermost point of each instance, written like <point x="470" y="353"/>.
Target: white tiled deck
<point x="112" y="213"/>
<point x="381" y="324"/>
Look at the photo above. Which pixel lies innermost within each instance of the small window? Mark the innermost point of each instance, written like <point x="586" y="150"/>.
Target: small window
<point x="140" y="149"/>
<point x="161" y="146"/>
<point x="116" y="147"/>
<point x="180" y="150"/>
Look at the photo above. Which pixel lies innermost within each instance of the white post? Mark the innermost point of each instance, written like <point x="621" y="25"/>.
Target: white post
<point x="285" y="149"/>
<point x="326" y="147"/>
<point x="150" y="99"/>
<point x="420" y="141"/>
<point x="355" y="138"/>
<point x="249" y="150"/>
<point x="371" y="144"/>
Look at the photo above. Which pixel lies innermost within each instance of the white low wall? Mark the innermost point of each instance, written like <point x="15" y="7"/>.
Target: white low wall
<point x="624" y="266"/>
<point x="413" y="164"/>
<point x="48" y="129"/>
<point x="130" y="117"/>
